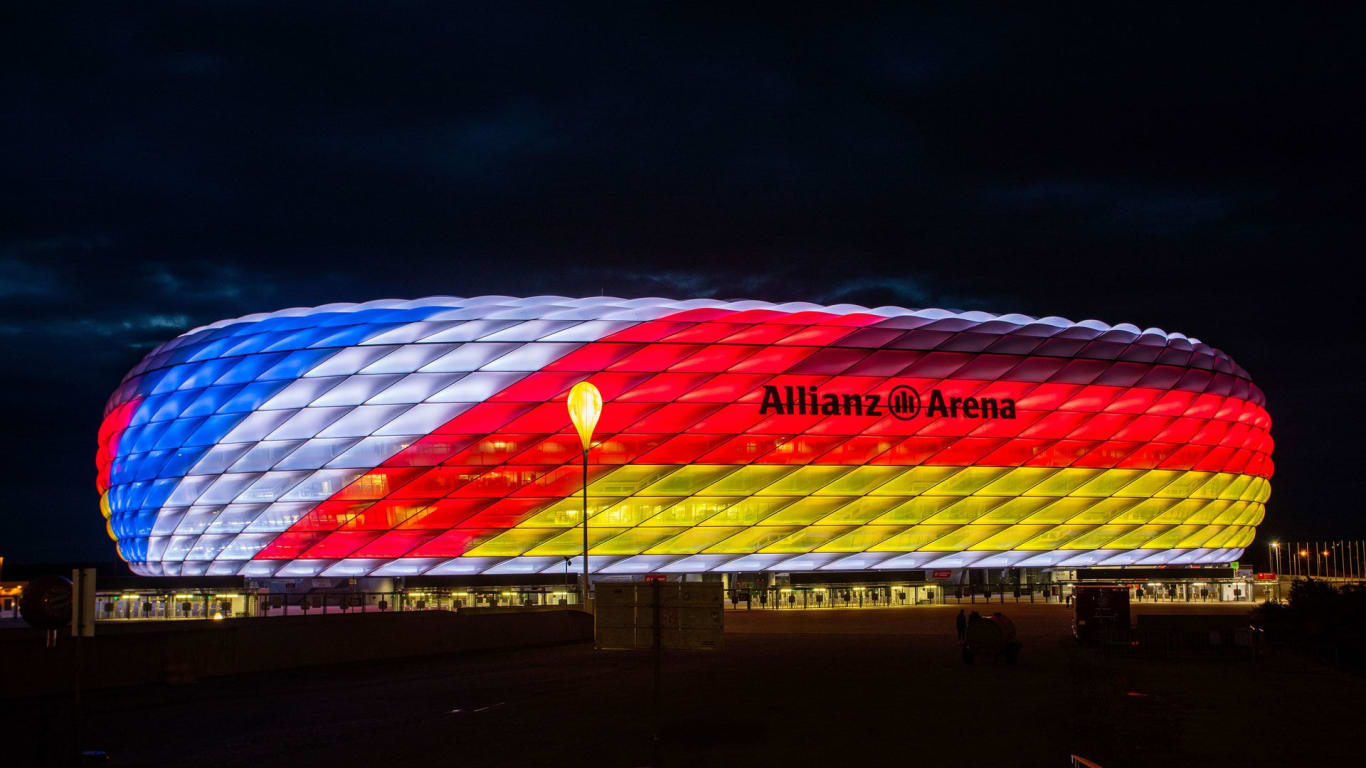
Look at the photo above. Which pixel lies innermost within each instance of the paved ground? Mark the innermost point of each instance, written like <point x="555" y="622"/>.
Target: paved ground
<point x="791" y="688"/>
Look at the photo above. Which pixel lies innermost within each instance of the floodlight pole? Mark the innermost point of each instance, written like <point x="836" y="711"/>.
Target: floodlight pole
<point x="585" y="528"/>
<point x="585" y="406"/>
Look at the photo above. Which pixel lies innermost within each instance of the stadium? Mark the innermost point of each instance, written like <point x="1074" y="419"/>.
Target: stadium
<point x="431" y="438"/>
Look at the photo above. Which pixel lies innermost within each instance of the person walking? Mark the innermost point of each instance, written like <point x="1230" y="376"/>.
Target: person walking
<point x="962" y="622"/>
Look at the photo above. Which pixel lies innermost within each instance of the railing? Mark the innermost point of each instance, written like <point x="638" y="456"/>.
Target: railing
<point x="209" y="606"/>
<point x="808" y="598"/>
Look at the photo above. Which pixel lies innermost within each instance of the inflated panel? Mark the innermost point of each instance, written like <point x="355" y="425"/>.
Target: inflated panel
<point x="433" y="436"/>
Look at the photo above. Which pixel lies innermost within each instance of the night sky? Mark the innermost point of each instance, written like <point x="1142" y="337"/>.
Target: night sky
<point x="163" y="166"/>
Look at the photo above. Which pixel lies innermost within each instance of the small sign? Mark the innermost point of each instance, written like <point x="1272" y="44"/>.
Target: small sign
<point x="659" y="577"/>
<point x="942" y="574"/>
<point x="1264" y="576"/>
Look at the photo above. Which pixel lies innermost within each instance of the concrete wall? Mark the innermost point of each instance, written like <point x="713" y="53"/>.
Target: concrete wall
<point x="181" y="651"/>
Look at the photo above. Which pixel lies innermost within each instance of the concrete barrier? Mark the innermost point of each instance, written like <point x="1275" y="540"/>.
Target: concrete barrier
<point x="183" y="651"/>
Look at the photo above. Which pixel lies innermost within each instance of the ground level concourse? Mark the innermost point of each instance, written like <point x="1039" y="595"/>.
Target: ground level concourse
<point x="207" y="599"/>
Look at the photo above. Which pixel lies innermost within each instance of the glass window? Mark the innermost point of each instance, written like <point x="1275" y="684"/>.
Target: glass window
<point x="531" y="330"/>
<point x="469" y="357"/>
<point x="235" y="517"/>
<point x="322" y="484"/>
<point x="356" y="389"/>
<point x="751" y="539"/>
<point x="421" y="419"/>
<point x="860" y="510"/>
<point x="372" y="451"/>
<point x="279" y="516"/>
<point x="414" y="388"/>
<point x="256" y="426"/>
<point x="806" y="539"/>
<point x="476" y="387"/>
<point x="308" y="422"/>
<point x="271" y="486"/>
<point x="244" y="546"/>
<point x="227" y="487"/>
<point x="747" y="511"/>
<point x="470" y="330"/>
<point x="349" y="361"/>
<point x="167" y="520"/>
<point x="362" y="421"/>
<point x="208" y="547"/>
<point x="805" y="511"/>
<point x="692" y="541"/>
<point x="860" y="539"/>
<point x="805" y="480"/>
<point x="316" y="453"/>
<point x="178" y="547"/>
<point x="690" y="511"/>
<point x="218" y="458"/>
<point x="265" y="455"/>
<point x="747" y="480"/>
<point x="530" y="357"/>
<point x="301" y="392"/>
<point x="189" y="489"/>
<point x="408" y="358"/>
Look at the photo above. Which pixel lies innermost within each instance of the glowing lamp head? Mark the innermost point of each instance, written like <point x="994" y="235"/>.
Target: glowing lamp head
<point x="585" y="406"/>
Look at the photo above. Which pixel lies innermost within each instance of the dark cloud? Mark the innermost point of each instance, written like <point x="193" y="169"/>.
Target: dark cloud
<point x="166" y="165"/>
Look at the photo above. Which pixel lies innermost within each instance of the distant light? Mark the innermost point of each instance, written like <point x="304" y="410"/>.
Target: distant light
<point x="217" y="616"/>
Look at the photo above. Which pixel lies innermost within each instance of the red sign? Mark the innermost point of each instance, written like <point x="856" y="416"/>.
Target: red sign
<point x="942" y="574"/>
<point x="1266" y="576"/>
<point x="649" y="577"/>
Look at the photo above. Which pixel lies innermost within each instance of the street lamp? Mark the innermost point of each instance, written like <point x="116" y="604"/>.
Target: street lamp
<point x="585" y="406"/>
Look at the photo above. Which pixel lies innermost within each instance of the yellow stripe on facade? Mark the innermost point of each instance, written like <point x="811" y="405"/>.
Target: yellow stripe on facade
<point x="725" y="509"/>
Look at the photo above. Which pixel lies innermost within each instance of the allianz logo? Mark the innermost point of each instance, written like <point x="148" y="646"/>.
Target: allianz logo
<point x="902" y="402"/>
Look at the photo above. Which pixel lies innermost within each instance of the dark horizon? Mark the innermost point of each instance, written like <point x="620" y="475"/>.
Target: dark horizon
<point x="1194" y="170"/>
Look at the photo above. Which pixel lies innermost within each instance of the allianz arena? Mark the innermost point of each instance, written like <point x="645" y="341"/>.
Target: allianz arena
<point x="431" y="437"/>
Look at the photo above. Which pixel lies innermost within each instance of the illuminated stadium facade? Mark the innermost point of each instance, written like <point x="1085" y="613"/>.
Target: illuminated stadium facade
<point x="431" y="437"/>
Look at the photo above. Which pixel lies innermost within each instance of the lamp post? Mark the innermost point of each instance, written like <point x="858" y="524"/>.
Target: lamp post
<point x="585" y="406"/>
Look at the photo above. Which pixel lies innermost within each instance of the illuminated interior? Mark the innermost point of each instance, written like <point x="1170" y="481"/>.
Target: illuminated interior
<point x="432" y="437"/>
